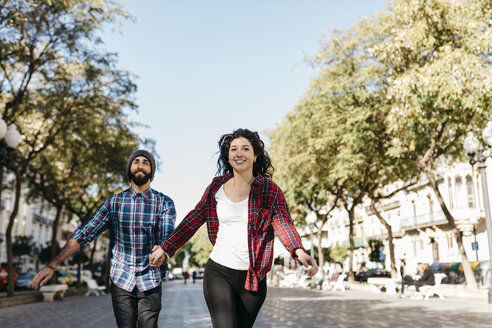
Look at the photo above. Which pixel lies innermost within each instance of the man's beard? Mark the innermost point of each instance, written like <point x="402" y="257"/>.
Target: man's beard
<point x="140" y="180"/>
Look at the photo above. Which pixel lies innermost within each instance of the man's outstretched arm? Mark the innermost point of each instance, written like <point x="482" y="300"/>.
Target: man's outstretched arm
<point x="45" y="274"/>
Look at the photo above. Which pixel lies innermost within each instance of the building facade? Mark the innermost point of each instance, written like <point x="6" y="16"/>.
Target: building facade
<point x="421" y="232"/>
<point x="35" y="219"/>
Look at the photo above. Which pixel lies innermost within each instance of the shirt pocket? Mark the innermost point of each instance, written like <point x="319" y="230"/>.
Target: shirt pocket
<point x="262" y="220"/>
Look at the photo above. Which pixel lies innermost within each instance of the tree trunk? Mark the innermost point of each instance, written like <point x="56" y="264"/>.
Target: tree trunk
<point x="469" y="276"/>
<point x="10" y="226"/>
<point x="394" y="272"/>
<point x="351" y="277"/>
<point x="54" y="241"/>
<point x="319" y="234"/>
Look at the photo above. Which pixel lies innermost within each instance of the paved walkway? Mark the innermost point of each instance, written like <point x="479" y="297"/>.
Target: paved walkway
<point x="184" y="306"/>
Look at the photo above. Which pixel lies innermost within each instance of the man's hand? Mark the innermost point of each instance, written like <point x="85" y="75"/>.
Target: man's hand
<point x="42" y="277"/>
<point x="307" y="261"/>
<point x="158" y="257"/>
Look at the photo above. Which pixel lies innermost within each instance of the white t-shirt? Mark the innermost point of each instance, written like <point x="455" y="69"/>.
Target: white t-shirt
<point x="231" y="245"/>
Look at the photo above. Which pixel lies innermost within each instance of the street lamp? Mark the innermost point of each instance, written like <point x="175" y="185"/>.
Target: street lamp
<point x="311" y="220"/>
<point x="9" y="140"/>
<point x="480" y="155"/>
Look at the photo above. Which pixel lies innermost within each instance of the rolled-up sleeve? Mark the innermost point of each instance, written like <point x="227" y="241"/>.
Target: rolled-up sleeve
<point x="97" y="225"/>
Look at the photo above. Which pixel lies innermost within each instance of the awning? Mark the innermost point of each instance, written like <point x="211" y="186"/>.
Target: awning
<point x="455" y="266"/>
<point x="358" y="243"/>
<point x="437" y="266"/>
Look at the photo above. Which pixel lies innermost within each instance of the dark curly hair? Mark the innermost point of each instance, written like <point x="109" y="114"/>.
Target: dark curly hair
<point x="263" y="164"/>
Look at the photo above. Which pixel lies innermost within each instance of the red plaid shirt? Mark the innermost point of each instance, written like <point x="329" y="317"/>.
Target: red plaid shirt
<point x="267" y="213"/>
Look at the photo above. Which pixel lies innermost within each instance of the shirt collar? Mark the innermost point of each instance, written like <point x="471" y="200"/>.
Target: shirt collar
<point x="145" y="194"/>
<point x="256" y="182"/>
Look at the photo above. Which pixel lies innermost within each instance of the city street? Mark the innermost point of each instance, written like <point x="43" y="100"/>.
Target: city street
<point x="184" y="306"/>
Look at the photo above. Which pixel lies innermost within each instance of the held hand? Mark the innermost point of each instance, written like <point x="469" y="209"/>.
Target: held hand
<point x="42" y="277"/>
<point x="307" y="261"/>
<point x="158" y="257"/>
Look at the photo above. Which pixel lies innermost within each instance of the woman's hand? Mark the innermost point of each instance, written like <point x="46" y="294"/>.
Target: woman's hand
<point x="157" y="257"/>
<point x="307" y="261"/>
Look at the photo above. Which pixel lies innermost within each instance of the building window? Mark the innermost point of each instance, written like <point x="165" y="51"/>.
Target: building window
<point x="450" y="193"/>
<point x="470" y="192"/>
<point x="458" y="185"/>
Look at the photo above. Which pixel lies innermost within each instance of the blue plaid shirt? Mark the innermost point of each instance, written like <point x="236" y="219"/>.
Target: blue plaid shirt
<point x="137" y="222"/>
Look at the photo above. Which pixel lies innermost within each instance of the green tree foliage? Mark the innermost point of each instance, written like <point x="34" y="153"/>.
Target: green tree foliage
<point x="437" y="56"/>
<point x="302" y="167"/>
<point x="45" y="254"/>
<point x="393" y="99"/>
<point x="375" y="250"/>
<point x="201" y="248"/>
<point x="337" y="254"/>
<point x="55" y="80"/>
<point x="23" y="245"/>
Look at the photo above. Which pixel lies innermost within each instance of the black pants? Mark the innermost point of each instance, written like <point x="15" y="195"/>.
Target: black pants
<point x="408" y="280"/>
<point x="135" y="306"/>
<point x="229" y="303"/>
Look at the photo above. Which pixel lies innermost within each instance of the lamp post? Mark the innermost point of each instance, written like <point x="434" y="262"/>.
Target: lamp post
<point x="9" y="140"/>
<point x="311" y="220"/>
<point x="479" y="155"/>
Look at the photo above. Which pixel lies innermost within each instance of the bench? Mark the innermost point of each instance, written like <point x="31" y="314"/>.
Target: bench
<point x="94" y="287"/>
<point x="430" y="290"/>
<point x="50" y="291"/>
<point x="339" y="283"/>
<point x="377" y="284"/>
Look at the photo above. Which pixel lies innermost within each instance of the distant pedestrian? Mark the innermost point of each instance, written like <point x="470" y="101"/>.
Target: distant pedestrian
<point x="402" y="274"/>
<point x="139" y="219"/>
<point x="194" y="275"/>
<point x="243" y="209"/>
<point x="186" y="275"/>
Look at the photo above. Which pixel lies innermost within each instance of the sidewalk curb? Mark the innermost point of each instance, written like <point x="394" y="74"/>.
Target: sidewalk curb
<point x="448" y="291"/>
<point x="36" y="297"/>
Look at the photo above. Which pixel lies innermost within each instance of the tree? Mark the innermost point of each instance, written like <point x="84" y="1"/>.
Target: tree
<point x="38" y="40"/>
<point x="437" y="56"/>
<point x="201" y="248"/>
<point x="338" y="254"/>
<point x="303" y="166"/>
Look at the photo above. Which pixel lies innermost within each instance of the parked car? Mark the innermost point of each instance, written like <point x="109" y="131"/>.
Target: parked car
<point x="4" y="277"/>
<point x="198" y="274"/>
<point x="71" y="277"/>
<point x="24" y="280"/>
<point x="177" y="273"/>
<point x="376" y="272"/>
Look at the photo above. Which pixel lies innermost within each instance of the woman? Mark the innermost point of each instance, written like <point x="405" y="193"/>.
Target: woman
<point x="426" y="278"/>
<point x="243" y="209"/>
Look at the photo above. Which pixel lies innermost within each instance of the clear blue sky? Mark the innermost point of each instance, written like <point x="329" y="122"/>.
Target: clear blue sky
<point x="206" y="68"/>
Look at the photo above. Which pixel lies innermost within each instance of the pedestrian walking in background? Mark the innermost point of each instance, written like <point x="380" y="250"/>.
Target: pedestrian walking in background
<point x="243" y="209"/>
<point x="402" y="274"/>
<point x="140" y="219"/>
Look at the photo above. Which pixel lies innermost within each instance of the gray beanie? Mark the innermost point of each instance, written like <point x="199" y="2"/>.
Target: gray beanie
<point x="144" y="153"/>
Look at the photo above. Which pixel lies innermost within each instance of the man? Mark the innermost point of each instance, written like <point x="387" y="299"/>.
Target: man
<point x="139" y="219"/>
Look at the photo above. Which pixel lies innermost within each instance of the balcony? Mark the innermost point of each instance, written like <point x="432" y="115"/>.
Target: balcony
<point x="423" y="220"/>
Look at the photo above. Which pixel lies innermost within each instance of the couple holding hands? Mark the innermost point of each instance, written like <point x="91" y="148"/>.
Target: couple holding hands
<point x="243" y="209"/>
